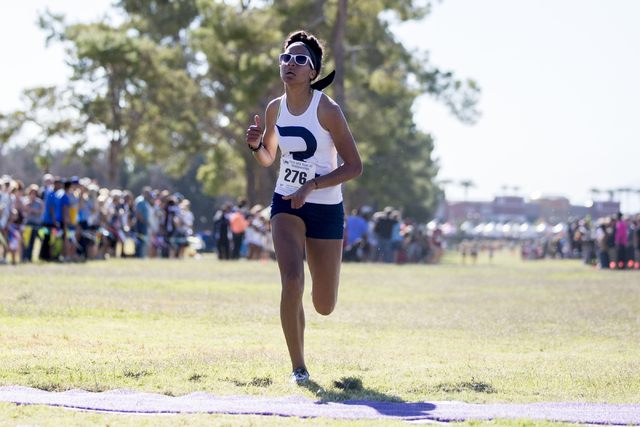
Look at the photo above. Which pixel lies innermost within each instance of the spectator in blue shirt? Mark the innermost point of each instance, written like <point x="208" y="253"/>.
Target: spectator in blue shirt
<point x="49" y="197"/>
<point x="62" y="204"/>
<point x="356" y="227"/>
<point x="48" y="216"/>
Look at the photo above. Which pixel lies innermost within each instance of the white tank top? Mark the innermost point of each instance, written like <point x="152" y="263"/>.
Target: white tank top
<point x="304" y="139"/>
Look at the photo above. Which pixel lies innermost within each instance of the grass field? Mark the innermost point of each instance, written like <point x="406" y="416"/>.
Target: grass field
<point x="507" y="332"/>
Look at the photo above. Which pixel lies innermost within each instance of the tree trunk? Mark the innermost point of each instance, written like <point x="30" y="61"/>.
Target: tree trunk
<point x="338" y="53"/>
<point x="249" y="168"/>
<point x="262" y="184"/>
<point x="114" y="163"/>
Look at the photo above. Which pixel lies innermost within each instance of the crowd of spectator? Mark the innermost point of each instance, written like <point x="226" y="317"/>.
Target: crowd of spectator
<point x="74" y="219"/>
<point x="241" y="232"/>
<point x="612" y="242"/>
<point x="368" y="237"/>
<point x="386" y="237"/>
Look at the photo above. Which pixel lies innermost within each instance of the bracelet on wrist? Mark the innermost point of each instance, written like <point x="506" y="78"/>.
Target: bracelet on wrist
<point x="257" y="148"/>
<point x="315" y="182"/>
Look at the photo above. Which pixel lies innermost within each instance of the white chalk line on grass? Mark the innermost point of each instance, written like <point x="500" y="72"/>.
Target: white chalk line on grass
<point x="147" y="414"/>
<point x="127" y="402"/>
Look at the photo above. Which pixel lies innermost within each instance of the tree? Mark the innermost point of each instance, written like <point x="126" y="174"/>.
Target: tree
<point x="442" y="184"/>
<point x="181" y="76"/>
<point x="594" y="192"/>
<point x="23" y="163"/>
<point x="611" y="194"/>
<point x="41" y="102"/>
<point x="131" y="89"/>
<point x="381" y="81"/>
<point x="241" y="46"/>
<point x="466" y="185"/>
<point x="340" y="29"/>
<point x="627" y="191"/>
<point x="164" y="21"/>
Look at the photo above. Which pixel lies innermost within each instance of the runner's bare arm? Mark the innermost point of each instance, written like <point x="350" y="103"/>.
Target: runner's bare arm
<point x="331" y="118"/>
<point x="267" y="154"/>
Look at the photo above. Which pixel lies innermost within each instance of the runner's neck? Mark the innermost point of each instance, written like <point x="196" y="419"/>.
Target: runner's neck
<point x="298" y="99"/>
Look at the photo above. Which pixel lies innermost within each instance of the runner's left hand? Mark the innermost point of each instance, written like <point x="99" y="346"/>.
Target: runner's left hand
<point x="299" y="197"/>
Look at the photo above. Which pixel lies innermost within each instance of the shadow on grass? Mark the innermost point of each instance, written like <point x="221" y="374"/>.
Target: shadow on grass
<point x="472" y="386"/>
<point x="462" y="386"/>
<point x="255" y="382"/>
<point x="350" y="391"/>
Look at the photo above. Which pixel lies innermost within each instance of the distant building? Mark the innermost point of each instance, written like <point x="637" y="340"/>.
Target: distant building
<point x="512" y="208"/>
<point x="602" y="209"/>
<point x="462" y="211"/>
<point x="554" y="209"/>
<point x="508" y="208"/>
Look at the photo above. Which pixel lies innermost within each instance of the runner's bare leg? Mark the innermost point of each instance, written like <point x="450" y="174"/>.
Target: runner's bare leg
<point x="288" y="241"/>
<point x="324" y="257"/>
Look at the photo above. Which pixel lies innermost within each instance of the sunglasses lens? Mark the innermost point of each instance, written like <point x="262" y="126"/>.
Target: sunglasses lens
<point x="285" y="58"/>
<point x="301" y="59"/>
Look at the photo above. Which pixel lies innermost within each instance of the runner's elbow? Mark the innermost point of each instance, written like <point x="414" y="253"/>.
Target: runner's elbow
<point x="265" y="162"/>
<point x="357" y="169"/>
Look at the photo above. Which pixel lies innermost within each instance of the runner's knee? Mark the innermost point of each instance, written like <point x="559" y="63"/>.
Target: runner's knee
<point x="292" y="286"/>
<point x="324" y="305"/>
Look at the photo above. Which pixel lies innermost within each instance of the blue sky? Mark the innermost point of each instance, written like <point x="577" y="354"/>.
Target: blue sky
<point x="560" y="88"/>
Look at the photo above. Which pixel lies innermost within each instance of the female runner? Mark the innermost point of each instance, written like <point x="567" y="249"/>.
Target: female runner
<point x="306" y="210"/>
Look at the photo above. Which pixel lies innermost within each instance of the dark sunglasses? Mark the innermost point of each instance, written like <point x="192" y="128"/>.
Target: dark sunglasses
<point x="300" y="59"/>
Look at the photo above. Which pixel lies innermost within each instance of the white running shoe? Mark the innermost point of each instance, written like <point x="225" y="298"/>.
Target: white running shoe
<point x="299" y="375"/>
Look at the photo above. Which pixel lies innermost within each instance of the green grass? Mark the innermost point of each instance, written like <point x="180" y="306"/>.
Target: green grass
<point x="507" y="332"/>
<point x="12" y="415"/>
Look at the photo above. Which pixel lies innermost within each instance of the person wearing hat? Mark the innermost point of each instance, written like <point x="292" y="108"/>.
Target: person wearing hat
<point x="306" y="210"/>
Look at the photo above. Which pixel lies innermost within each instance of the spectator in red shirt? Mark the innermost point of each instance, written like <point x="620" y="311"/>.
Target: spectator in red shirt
<point x="239" y="223"/>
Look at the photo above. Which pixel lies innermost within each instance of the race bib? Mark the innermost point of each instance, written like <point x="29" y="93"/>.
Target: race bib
<point x="293" y="174"/>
